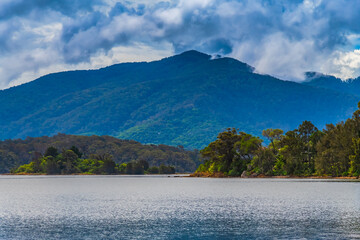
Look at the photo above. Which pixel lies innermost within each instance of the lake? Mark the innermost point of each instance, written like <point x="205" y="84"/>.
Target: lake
<point x="160" y="207"/>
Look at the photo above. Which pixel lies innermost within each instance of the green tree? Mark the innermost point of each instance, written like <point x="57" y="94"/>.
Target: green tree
<point x="334" y="149"/>
<point x="70" y="162"/>
<point x="273" y="135"/>
<point x="264" y="161"/>
<point x="246" y="148"/>
<point x="109" y="165"/>
<point x="166" y="169"/>
<point x="8" y="160"/>
<point x="222" y="149"/>
<point x="51" y="151"/>
<point x="122" y="168"/>
<point x="138" y="168"/>
<point x="298" y="149"/>
<point x="144" y="164"/>
<point x="129" y="168"/>
<point x="76" y="151"/>
<point x="230" y="152"/>
<point x="153" y="170"/>
<point x="307" y="131"/>
<point x="355" y="158"/>
<point x="36" y="159"/>
<point x="51" y="165"/>
<point x="291" y="153"/>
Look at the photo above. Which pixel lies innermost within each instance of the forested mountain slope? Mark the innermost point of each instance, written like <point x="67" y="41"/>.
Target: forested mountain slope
<point x="181" y="100"/>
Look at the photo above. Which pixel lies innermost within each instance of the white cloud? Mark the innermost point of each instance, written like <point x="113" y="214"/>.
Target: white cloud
<point x="46" y="33"/>
<point x="195" y="4"/>
<point x="345" y="65"/>
<point x="281" y="38"/>
<point x="171" y="16"/>
<point x="278" y="56"/>
<point x="136" y="53"/>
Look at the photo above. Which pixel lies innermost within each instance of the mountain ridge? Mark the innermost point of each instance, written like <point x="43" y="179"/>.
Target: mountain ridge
<point x="350" y="86"/>
<point x="185" y="100"/>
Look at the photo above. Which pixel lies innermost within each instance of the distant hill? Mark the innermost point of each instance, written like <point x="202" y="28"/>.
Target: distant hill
<point x="184" y="100"/>
<point x="14" y="153"/>
<point x="351" y="86"/>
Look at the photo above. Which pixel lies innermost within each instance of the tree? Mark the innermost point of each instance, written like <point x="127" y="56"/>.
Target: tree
<point x="222" y="150"/>
<point x="273" y="135"/>
<point x="70" y="158"/>
<point x="307" y="131"/>
<point x="334" y="149"/>
<point x="109" y="166"/>
<point x="230" y="152"/>
<point x="51" y="151"/>
<point x="291" y="153"/>
<point x="20" y="151"/>
<point x="298" y="149"/>
<point x="122" y="168"/>
<point x="153" y="170"/>
<point x="144" y="164"/>
<point x="8" y="160"/>
<point x="166" y="169"/>
<point x="246" y="148"/>
<point x="76" y="151"/>
<point x="355" y="158"/>
<point x="36" y="158"/>
<point x="129" y="168"/>
<point x="265" y="160"/>
<point x="134" y="167"/>
<point x="51" y="165"/>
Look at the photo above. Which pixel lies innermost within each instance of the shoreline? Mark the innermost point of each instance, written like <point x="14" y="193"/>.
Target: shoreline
<point x="221" y="175"/>
<point x="195" y="175"/>
<point x="84" y="174"/>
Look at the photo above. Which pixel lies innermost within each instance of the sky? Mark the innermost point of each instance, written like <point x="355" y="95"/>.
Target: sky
<point x="282" y="38"/>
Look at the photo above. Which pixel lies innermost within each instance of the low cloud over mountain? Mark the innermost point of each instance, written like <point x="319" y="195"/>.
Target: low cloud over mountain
<point x="280" y="38"/>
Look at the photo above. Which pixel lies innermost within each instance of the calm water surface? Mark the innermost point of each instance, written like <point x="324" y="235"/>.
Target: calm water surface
<point x="147" y="207"/>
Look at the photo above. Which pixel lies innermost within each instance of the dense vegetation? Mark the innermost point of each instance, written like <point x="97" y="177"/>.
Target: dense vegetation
<point x="71" y="162"/>
<point x="14" y="153"/>
<point x="182" y="100"/>
<point x="305" y="151"/>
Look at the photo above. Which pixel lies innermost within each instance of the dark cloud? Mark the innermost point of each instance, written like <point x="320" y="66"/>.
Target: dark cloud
<point x="20" y="8"/>
<point x="283" y="38"/>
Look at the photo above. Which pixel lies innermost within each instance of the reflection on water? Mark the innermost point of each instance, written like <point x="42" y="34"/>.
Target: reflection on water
<point x="146" y="207"/>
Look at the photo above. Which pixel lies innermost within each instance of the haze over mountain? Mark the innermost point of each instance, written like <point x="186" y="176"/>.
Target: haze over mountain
<point x="185" y="100"/>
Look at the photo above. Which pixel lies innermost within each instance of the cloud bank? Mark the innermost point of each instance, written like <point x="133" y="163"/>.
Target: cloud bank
<point x="281" y="38"/>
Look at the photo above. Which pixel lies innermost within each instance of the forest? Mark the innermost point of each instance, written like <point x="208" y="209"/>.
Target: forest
<point x="17" y="152"/>
<point x="183" y="100"/>
<point x="304" y="151"/>
<point x="71" y="162"/>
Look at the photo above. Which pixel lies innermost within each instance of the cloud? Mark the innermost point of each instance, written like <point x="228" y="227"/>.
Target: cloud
<point x="280" y="38"/>
<point x="24" y="8"/>
<point x="347" y="64"/>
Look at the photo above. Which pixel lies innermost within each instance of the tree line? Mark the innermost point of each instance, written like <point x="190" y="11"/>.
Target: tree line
<point x="71" y="162"/>
<point x="304" y="151"/>
<point x="16" y="152"/>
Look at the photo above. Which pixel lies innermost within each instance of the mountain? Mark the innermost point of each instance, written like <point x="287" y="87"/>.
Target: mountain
<point x="184" y="100"/>
<point x="350" y="86"/>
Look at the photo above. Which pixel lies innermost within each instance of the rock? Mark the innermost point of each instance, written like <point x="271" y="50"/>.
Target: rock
<point x="254" y="175"/>
<point x="244" y="174"/>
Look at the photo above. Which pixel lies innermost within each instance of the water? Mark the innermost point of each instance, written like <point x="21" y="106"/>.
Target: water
<point x="148" y="207"/>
